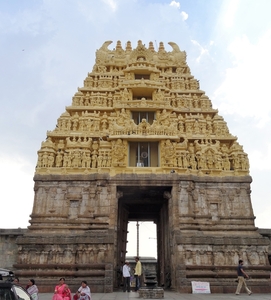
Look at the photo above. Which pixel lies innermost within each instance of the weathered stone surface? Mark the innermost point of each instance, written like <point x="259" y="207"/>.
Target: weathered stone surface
<point x="148" y="293"/>
<point x="8" y="247"/>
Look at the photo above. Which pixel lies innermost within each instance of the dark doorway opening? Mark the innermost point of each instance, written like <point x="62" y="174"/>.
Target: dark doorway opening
<point x="145" y="203"/>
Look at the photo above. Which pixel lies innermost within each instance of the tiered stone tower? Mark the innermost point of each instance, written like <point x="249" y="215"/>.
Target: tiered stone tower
<point x="141" y="141"/>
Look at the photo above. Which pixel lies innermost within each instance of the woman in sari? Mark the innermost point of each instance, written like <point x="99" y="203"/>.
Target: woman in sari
<point x="32" y="289"/>
<point x="83" y="292"/>
<point x="62" y="291"/>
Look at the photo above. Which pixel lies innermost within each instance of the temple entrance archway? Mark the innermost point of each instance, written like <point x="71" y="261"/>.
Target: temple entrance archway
<point x="146" y="203"/>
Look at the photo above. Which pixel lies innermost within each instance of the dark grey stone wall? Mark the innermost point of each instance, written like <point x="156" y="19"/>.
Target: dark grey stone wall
<point x="8" y="247"/>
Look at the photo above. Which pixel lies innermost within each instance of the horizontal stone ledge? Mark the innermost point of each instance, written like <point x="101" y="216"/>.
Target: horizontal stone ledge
<point x="253" y="276"/>
<point x="12" y="232"/>
<point x="57" y="228"/>
<point x="59" y="273"/>
<point x="63" y="240"/>
<point x="72" y="223"/>
<point x="165" y="179"/>
<point x="217" y="241"/>
<point x="200" y="274"/>
<point x="142" y="137"/>
<point x="217" y="228"/>
<point x="70" y="235"/>
<point x="81" y="222"/>
<point x="226" y="267"/>
<point x="196" y="216"/>
<point x="60" y="266"/>
<point x="38" y="243"/>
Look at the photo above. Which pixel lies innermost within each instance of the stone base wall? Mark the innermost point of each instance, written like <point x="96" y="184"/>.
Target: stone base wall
<point x="47" y="276"/>
<point x="205" y="225"/>
<point x="8" y="247"/>
<point x="74" y="257"/>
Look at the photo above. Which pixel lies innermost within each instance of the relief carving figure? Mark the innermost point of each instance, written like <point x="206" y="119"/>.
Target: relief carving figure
<point x="94" y="160"/>
<point x="122" y="117"/>
<point x="168" y="153"/>
<point x="159" y="96"/>
<point x="104" y="121"/>
<point x="51" y="160"/>
<point x="86" y="160"/>
<point x="125" y="95"/>
<point x="119" y="149"/>
<point x="143" y="127"/>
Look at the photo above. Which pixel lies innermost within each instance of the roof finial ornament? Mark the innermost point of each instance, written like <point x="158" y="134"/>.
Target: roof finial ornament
<point x="151" y="47"/>
<point x="129" y="46"/>
<point x="161" y="47"/>
<point x="174" y="46"/>
<point x="105" y="45"/>
<point x="139" y="43"/>
<point x="118" y="47"/>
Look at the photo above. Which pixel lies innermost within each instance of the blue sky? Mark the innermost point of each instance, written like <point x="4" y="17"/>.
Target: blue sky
<point x="48" y="47"/>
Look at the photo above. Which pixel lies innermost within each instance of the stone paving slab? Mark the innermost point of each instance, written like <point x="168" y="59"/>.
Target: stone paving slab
<point x="169" y="296"/>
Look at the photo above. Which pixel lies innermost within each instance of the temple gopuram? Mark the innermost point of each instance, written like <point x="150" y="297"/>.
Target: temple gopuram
<point x="140" y="141"/>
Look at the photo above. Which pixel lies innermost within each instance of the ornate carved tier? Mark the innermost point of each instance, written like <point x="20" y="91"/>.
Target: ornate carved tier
<point x="137" y="96"/>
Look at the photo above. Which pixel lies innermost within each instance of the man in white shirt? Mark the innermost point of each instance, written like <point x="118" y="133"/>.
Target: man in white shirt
<point x="126" y="276"/>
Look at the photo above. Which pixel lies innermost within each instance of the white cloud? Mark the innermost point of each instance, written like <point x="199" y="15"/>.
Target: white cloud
<point x="175" y="4"/>
<point x="203" y="51"/>
<point x="184" y="15"/>
<point x="229" y="11"/>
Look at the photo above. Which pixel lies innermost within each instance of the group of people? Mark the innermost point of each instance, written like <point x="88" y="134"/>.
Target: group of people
<point x="126" y="273"/>
<point x="61" y="292"/>
<point x="31" y="288"/>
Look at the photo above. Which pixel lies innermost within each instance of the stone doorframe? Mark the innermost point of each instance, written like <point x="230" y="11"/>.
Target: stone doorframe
<point x="145" y="203"/>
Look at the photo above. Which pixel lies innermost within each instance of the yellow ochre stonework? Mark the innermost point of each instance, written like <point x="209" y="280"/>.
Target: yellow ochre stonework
<point x="141" y="111"/>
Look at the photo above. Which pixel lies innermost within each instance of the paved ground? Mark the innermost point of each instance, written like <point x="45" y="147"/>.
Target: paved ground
<point x="170" y="296"/>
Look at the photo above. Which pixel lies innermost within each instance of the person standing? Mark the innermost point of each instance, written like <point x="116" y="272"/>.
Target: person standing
<point x="138" y="271"/>
<point x="241" y="278"/>
<point x="126" y="276"/>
